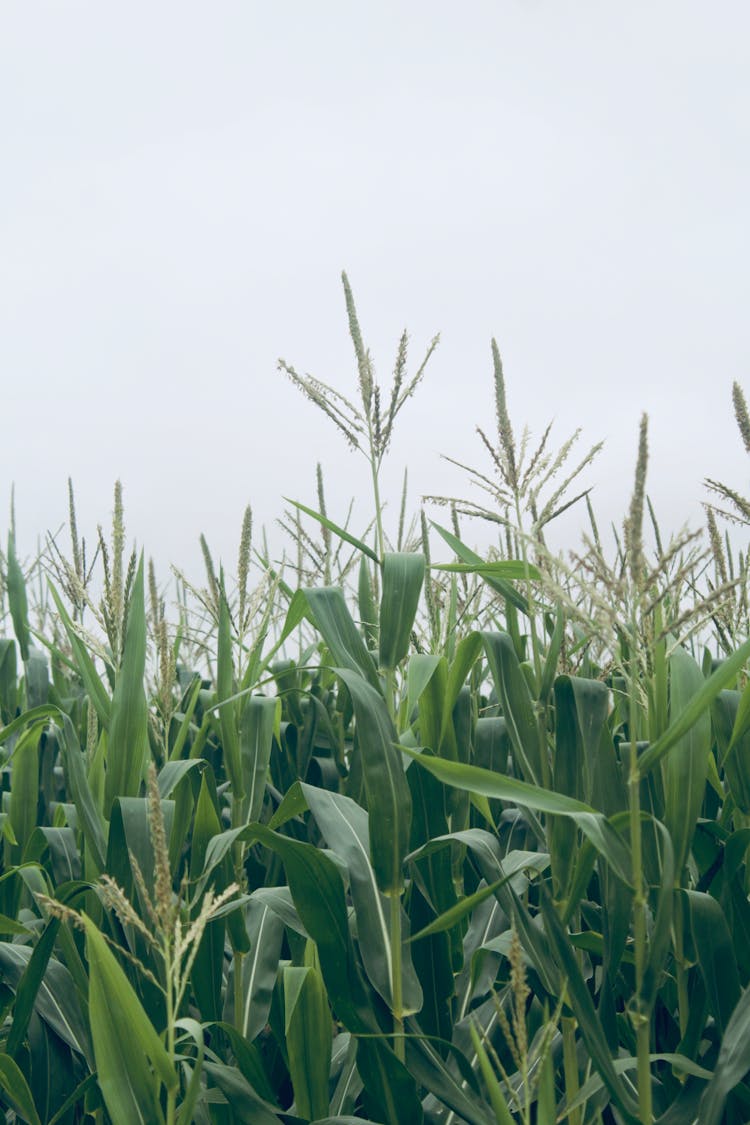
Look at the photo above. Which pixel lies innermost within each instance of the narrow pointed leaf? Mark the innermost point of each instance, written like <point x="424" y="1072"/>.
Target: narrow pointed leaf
<point x="125" y="1048"/>
<point x="16" y="1089"/>
<point x="503" y="587"/>
<point x="687" y="762"/>
<point x="127" y="744"/>
<point x="334" y="527"/>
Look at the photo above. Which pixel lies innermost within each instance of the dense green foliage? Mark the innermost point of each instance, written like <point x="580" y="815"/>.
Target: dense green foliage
<point x="396" y="841"/>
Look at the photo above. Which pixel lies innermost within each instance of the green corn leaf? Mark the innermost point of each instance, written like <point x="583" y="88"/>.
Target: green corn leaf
<point x="582" y="1004"/>
<point x="8" y="677"/>
<point x="207" y="970"/>
<point x="260" y="969"/>
<point x="44" y="985"/>
<point x="476" y="780"/>
<point x="517" y="705"/>
<point x="93" y="685"/>
<point x="186" y="1112"/>
<point x="260" y="717"/>
<point x="225" y="689"/>
<point x="421" y="668"/>
<point x="661" y="931"/>
<point x="742" y="717"/>
<point x="37" y="678"/>
<point x="388" y="796"/>
<point x="546" y="1105"/>
<point x="464" y="906"/>
<point x="713" y="944"/>
<point x="127" y="744"/>
<point x="389" y="1084"/>
<point x="28" y="986"/>
<point x="249" y="1060"/>
<point x="89" y="817"/>
<point x="432" y="959"/>
<point x="403" y="576"/>
<point x="27" y="718"/>
<point x="724" y="675"/>
<point x="318" y="892"/>
<point x="17" y="600"/>
<point x="506" y="568"/>
<point x="734" y="745"/>
<point x="549" y="671"/>
<point x="247" y="1106"/>
<point x="341" y="532"/>
<point x="24" y="792"/>
<point x="503" y="587"/>
<point x="185" y="721"/>
<point x="127" y="1047"/>
<point x="78" y="1094"/>
<point x="594" y="1084"/>
<point x="430" y="1070"/>
<point x="687" y="762"/>
<point x="10" y="926"/>
<point x="172" y="773"/>
<point x="493" y="867"/>
<point x="732" y="1064"/>
<point x="130" y="840"/>
<point x="343" y="639"/>
<point x="345" y="827"/>
<point x="494" y="1089"/>
<point x="295" y="615"/>
<point x="308" y="1028"/>
<point x="368" y="614"/>
<point x="466" y="656"/>
<point x="16" y="1090"/>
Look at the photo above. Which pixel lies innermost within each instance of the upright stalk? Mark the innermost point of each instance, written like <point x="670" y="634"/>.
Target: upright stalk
<point x="399" y="1045"/>
<point x="570" y="1066"/>
<point x="168" y="971"/>
<point x="239" y="876"/>
<point x="545" y="778"/>
<point x="641" y="1018"/>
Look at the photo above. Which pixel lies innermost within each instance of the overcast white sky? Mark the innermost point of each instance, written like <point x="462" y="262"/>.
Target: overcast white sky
<point x="182" y="183"/>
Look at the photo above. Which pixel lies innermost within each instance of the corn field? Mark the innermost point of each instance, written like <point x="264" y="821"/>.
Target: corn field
<point x="383" y="830"/>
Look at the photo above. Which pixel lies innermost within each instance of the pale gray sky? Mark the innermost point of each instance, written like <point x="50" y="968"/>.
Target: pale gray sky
<point x="182" y="184"/>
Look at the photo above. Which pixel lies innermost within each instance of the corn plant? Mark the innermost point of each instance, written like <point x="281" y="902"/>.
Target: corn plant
<point x="379" y="829"/>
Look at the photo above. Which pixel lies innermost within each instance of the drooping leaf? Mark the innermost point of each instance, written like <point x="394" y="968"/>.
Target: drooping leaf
<point x="402" y="576"/>
<point x="388" y="796"/>
<point x="595" y="826"/>
<point x="338" y="630"/>
<point x="308" y="1028"/>
<point x="16" y="1089"/>
<point x="345" y="827"/>
<point x="127" y="1048"/>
